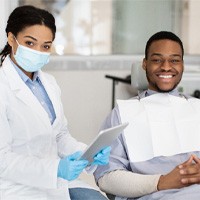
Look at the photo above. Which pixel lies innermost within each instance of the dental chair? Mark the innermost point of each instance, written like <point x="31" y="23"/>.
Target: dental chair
<point x="138" y="77"/>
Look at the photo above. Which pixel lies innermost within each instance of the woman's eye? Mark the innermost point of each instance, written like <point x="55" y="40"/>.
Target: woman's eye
<point x="47" y="47"/>
<point x="29" y="43"/>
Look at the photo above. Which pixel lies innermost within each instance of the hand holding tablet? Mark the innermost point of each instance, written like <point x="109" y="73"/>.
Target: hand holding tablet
<point x="102" y="157"/>
<point x="103" y="139"/>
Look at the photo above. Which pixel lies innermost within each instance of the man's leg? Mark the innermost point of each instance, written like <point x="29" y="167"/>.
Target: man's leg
<point x="85" y="194"/>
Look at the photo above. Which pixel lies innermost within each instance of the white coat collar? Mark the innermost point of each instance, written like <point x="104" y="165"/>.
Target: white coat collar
<point x="49" y="86"/>
<point x="22" y="91"/>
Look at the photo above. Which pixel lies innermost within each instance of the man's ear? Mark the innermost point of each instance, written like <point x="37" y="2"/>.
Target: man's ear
<point x="144" y="64"/>
<point x="11" y="39"/>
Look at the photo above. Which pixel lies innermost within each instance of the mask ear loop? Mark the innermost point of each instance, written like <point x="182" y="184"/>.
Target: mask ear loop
<point x="16" y="39"/>
<point x="17" y="44"/>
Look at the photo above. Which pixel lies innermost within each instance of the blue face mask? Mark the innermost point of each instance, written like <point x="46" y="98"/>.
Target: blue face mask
<point x="30" y="60"/>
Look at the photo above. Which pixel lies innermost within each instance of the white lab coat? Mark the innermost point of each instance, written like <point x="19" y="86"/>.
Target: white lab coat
<point x="29" y="144"/>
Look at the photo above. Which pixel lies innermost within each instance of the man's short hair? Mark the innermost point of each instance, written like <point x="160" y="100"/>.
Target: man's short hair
<point x="162" y="35"/>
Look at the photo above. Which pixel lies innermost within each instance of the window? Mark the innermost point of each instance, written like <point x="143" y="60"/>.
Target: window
<point x="107" y="27"/>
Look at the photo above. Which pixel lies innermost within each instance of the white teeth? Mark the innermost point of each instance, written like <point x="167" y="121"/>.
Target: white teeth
<point x="165" y="76"/>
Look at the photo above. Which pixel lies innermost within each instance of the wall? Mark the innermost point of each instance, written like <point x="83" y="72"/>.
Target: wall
<point x="86" y="96"/>
<point x="190" y="26"/>
<point x="6" y="7"/>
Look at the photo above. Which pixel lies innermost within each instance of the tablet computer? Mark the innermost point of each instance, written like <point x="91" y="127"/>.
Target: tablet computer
<point x="102" y="140"/>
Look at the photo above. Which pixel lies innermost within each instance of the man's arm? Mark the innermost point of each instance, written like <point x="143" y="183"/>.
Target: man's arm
<point x="128" y="184"/>
<point x="118" y="171"/>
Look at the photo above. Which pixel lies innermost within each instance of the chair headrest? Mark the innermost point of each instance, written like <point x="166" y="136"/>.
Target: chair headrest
<point x="138" y="77"/>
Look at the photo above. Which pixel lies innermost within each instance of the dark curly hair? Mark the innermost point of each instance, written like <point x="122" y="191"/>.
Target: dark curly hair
<point x="162" y="35"/>
<point x="25" y="16"/>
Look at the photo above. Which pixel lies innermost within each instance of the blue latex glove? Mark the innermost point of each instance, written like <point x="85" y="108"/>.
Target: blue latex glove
<point x="102" y="157"/>
<point x="70" y="168"/>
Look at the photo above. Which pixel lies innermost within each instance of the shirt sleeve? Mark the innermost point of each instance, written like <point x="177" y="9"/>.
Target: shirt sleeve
<point x="131" y="184"/>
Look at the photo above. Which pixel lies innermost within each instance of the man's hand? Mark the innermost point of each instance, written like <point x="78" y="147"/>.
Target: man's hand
<point x="183" y="175"/>
<point x="190" y="173"/>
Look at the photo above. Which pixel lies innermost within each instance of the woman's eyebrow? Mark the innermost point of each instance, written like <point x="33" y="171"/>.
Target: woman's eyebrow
<point x="28" y="36"/>
<point x="31" y="37"/>
<point x="48" y="42"/>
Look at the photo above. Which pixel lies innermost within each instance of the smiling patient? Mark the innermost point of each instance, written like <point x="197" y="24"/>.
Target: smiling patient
<point x="157" y="155"/>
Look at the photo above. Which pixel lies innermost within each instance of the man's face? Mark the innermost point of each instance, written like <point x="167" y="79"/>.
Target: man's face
<point x="164" y="65"/>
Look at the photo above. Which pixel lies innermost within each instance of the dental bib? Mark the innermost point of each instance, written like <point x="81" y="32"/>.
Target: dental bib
<point x="160" y="125"/>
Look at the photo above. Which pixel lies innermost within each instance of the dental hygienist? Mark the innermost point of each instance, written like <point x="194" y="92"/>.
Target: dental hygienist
<point x="38" y="156"/>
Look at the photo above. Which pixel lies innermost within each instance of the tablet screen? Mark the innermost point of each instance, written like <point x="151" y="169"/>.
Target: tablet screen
<point x="103" y="139"/>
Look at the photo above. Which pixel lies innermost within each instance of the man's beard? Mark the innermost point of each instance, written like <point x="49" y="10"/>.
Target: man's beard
<point x="157" y="87"/>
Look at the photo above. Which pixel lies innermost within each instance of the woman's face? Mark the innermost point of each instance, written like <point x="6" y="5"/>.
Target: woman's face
<point x="37" y="37"/>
